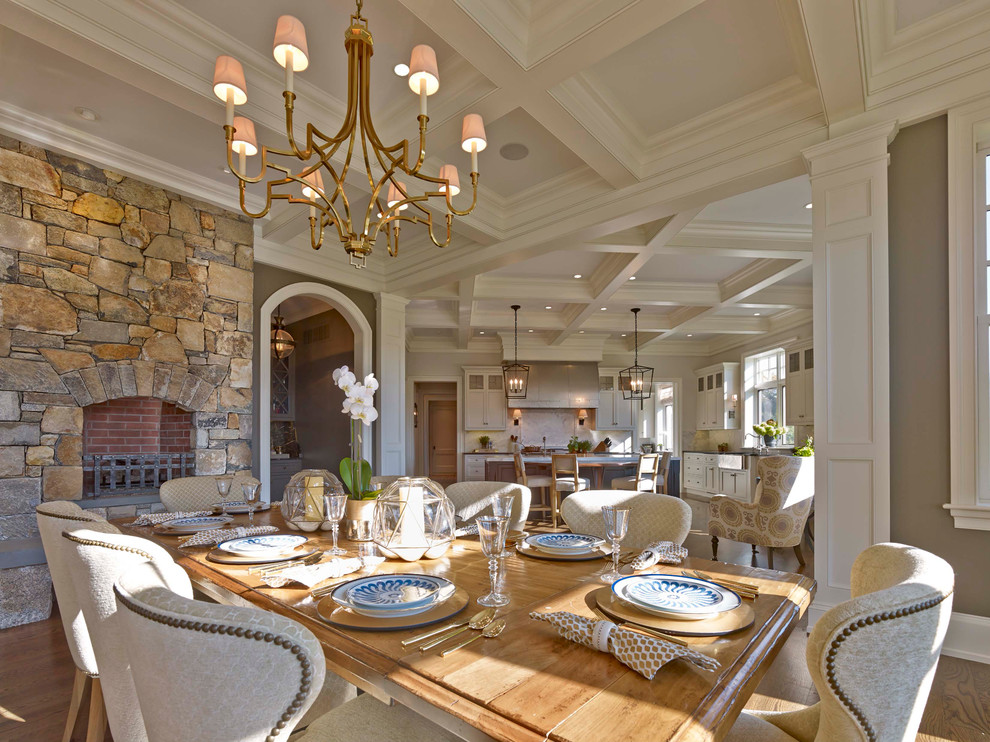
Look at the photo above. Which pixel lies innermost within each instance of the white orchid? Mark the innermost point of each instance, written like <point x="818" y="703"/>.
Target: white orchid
<point x="371" y="383"/>
<point x="338" y="373"/>
<point x="359" y="401"/>
<point x="345" y="379"/>
<point x="365" y="413"/>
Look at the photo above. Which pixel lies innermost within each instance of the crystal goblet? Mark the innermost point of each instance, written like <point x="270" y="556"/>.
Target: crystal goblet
<point x="224" y="481"/>
<point x="491" y="532"/>
<point x="252" y="498"/>
<point x="333" y="506"/>
<point x="616" y="525"/>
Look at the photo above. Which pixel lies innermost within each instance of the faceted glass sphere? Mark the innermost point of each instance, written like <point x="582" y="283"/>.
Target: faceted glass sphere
<point x="302" y="502"/>
<point x="413" y="520"/>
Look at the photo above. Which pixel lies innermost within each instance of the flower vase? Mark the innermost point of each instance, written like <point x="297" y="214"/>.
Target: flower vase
<point x="768" y="440"/>
<point x="358" y="515"/>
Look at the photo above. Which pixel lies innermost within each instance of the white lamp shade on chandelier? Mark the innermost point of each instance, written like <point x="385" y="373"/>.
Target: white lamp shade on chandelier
<point x="245" y="141"/>
<point x="314" y="185"/>
<point x="423" y="69"/>
<point x="449" y="173"/>
<point x="395" y="196"/>
<point x="228" y="81"/>
<point x="290" y="43"/>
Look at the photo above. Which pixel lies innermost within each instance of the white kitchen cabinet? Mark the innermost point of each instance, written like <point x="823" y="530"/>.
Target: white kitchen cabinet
<point x="484" y="399"/>
<point x="734" y="483"/>
<point x="717" y="400"/>
<point x="800" y="386"/>
<point x="708" y="474"/>
<point x="474" y="467"/>
<point x="614" y="412"/>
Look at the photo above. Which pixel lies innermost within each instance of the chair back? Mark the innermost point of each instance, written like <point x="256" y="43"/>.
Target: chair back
<point x="662" y="471"/>
<point x="96" y="559"/>
<point x="565" y="466"/>
<point x="873" y="658"/>
<point x="786" y="482"/>
<point x="53" y="518"/>
<point x="653" y="517"/>
<point x="648" y="466"/>
<point x="473" y="499"/>
<point x="185" y="494"/>
<point x="204" y="671"/>
<point x="520" y="467"/>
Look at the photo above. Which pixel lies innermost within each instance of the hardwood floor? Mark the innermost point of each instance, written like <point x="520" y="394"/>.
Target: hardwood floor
<point x="36" y="676"/>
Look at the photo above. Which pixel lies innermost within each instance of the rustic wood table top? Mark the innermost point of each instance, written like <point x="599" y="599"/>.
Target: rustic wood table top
<point x="529" y="684"/>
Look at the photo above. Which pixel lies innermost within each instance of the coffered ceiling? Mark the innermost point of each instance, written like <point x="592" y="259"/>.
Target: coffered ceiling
<point x="653" y="148"/>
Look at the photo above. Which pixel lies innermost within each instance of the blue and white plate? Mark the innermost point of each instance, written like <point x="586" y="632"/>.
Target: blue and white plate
<point x="194" y="525"/>
<point x="384" y="596"/>
<point x="564" y="543"/>
<point x="261" y="546"/>
<point x="671" y="596"/>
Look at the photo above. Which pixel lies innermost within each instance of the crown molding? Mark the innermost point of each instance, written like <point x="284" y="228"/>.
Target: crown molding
<point x="57" y="136"/>
<point x="328" y="264"/>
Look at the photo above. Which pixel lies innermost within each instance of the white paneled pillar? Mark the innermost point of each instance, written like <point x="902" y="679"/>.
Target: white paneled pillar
<point x="852" y="403"/>
<point x="390" y="343"/>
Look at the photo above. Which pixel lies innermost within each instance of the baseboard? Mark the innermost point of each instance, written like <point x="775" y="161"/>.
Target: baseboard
<point x="968" y="638"/>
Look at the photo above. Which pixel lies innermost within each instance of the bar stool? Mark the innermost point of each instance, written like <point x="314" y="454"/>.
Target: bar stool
<point x="565" y="479"/>
<point x="540" y="482"/>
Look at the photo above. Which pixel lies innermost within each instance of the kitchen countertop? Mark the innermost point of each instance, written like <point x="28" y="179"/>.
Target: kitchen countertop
<point x="782" y="451"/>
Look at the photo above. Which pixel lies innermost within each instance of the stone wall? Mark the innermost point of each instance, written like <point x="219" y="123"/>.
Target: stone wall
<point x="111" y="288"/>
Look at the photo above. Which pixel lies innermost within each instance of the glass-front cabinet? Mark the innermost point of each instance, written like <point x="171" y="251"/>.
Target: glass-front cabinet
<point x="484" y="398"/>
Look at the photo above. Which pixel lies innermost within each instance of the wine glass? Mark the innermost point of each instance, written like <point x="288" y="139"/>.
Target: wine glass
<point x="491" y="532"/>
<point x="223" y="489"/>
<point x="502" y="508"/>
<point x="333" y="507"/>
<point x="252" y="497"/>
<point x="616" y="525"/>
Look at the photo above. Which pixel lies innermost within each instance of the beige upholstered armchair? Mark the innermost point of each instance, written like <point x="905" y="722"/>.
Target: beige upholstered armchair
<point x="776" y="518"/>
<point x="471" y="499"/>
<point x="872" y="658"/>
<point x="654" y="517"/>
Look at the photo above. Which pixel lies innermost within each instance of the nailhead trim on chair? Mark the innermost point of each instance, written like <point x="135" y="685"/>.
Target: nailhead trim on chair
<point x="216" y="628"/>
<point x="60" y="516"/>
<point x="105" y="545"/>
<point x="833" y="651"/>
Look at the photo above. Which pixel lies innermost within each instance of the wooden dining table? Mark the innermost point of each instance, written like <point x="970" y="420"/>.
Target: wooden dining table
<point x="528" y="684"/>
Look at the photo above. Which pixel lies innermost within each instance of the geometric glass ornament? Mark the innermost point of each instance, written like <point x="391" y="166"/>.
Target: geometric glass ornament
<point x="302" y="501"/>
<point x="636" y="381"/>
<point x="413" y="520"/>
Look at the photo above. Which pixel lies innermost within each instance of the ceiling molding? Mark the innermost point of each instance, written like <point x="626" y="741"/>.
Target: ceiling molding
<point x="328" y="264"/>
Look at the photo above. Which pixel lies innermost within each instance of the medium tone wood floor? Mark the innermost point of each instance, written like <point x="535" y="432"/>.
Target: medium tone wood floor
<point x="36" y="676"/>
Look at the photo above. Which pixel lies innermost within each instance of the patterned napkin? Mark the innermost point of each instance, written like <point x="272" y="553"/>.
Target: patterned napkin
<point x="642" y="653"/>
<point x="218" y="535"/>
<point x="154" y="519"/>
<point x="659" y="552"/>
<point x="316" y="573"/>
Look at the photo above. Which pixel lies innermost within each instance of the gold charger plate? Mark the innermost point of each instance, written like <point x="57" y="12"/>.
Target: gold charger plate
<point x="523" y="548"/>
<point x="336" y="615"/>
<point x="724" y="623"/>
<point x="225" y="557"/>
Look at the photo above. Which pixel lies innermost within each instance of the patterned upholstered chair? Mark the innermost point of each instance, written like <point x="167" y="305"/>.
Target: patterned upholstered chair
<point x="777" y="516"/>
<point x="54" y="518"/>
<point x="204" y="671"/>
<point x="96" y="559"/>
<point x="872" y="658"/>
<point x="653" y="517"/>
<point x="472" y="499"/>
<point x="186" y="494"/>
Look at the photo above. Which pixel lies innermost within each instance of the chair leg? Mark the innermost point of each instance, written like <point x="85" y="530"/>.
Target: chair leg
<point x="799" y="555"/>
<point x="554" y="505"/>
<point x="79" y="683"/>
<point x="96" y="729"/>
<point x="770" y="557"/>
<point x="714" y="548"/>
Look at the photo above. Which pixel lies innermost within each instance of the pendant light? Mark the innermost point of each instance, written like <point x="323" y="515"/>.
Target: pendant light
<point x="282" y="342"/>
<point x="636" y="381"/>
<point x="516" y="375"/>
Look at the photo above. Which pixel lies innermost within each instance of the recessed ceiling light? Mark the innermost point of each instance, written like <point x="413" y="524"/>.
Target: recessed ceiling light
<point x="401" y="69"/>
<point x="530" y="330"/>
<point x="690" y="335"/>
<point x="482" y="332"/>
<point x="86" y="113"/>
<point x="548" y="307"/>
<point x="581" y="332"/>
<point x="514" y="151"/>
<point x="604" y="308"/>
<point x="577" y="275"/>
<point x="632" y="278"/>
<point x="623" y="335"/>
<point x="807" y="205"/>
<point x="756" y="314"/>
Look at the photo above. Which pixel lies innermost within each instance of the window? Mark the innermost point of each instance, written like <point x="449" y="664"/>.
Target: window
<point x="665" y="416"/>
<point x="764" y="388"/>
<point x="969" y="315"/>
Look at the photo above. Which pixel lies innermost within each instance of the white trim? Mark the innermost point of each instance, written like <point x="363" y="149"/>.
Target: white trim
<point x="968" y="125"/>
<point x="968" y="638"/>
<point x="363" y="345"/>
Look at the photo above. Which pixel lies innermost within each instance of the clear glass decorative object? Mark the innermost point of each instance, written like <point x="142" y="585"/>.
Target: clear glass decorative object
<point x="413" y="520"/>
<point x="303" y="505"/>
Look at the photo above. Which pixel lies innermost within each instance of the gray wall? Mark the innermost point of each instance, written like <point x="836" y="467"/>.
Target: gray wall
<point x="268" y="280"/>
<point x="919" y="362"/>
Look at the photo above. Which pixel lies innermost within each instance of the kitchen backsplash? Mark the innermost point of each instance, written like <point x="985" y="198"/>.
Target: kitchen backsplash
<point x="558" y="425"/>
<point x="705" y="440"/>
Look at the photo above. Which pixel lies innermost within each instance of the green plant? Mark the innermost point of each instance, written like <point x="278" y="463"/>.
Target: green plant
<point x="769" y="427"/>
<point x="578" y="446"/>
<point x="808" y="449"/>
<point x="484" y="440"/>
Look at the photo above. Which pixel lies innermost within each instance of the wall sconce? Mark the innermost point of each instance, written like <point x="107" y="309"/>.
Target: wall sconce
<point x="582" y="416"/>
<point x="516" y="417"/>
<point x="415" y="415"/>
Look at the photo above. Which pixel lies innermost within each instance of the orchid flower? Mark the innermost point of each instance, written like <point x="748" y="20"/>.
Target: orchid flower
<point x="371" y="383"/>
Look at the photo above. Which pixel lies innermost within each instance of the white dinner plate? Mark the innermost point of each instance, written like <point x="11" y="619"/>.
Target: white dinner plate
<point x="262" y="546"/>
<point x="564" y="543"/>
<point x="239" y="508"/>
<point x="194" y="525"/>
<point x="392" y="596"/>
<point x="674" y="596"/>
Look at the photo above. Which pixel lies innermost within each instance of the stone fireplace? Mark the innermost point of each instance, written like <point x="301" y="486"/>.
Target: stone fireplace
<point x="111" y="291"/>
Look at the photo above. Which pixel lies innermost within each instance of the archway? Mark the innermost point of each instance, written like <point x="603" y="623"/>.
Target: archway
<point x="363" y="347"/>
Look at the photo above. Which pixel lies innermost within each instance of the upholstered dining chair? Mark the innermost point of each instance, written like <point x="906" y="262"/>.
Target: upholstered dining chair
<point x="565" y="479"/>
<point x="776" y="517"/>
<point x="653" y="517"/>
<point x="539" y="482"/>
<point x="382" y="481"/>
<point x="872" y="658"/>
<point x="96" y="559"/>
<point x="54" y="518"/>
<point x="472" y="499"/>
<point x="185" y="494"/>
<point x="645" y="478"/>
<point x="204" y="671"/>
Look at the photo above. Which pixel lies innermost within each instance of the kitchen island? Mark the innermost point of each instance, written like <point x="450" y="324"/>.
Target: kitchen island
<point x="601" y="469"/>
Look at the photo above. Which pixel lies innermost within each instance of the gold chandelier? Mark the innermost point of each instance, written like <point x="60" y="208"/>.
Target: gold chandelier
<point x="332" y="206"/>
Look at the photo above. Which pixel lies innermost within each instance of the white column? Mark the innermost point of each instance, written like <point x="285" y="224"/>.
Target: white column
<point x="852" y="403"/>
<point x="390" y="342"/>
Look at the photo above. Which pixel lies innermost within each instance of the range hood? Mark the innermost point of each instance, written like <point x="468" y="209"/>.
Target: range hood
<point x="560" y="385"/>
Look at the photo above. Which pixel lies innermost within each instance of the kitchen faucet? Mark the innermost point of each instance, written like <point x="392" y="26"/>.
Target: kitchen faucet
<point x="759" y="442"/>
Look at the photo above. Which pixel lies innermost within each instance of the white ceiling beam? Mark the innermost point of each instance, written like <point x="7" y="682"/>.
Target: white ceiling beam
<point x="465" y="310"/>
<point x="831" y="31"/>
